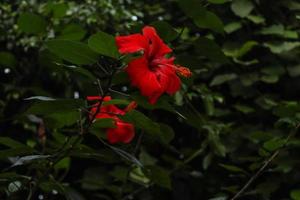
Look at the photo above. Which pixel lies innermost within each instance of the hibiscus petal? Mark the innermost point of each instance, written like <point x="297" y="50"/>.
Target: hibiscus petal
<point x="136" y="69"/>
<point x="174" y="84"/>
<point x="157" y="47"/>
<point x="124" y="132"/>
<point x="168" y="78"/>
<point x="146" y="80"/>
<point x="131" y="43"/>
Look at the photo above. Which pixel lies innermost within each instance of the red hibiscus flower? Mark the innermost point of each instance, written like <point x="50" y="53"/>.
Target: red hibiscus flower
<point x="123" y="132"/>
<point x="153" y="73"/>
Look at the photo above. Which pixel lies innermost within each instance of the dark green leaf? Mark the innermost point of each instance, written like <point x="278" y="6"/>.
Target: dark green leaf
<point x="295" y="194"/>
<point x="202" y="17"/>
<point x="71" y="51"/>
<point x="220" y="79"/>
<point x="72" y="32"/>
<point x="31" y="23"/>
<point x="165" y="30"/>
<point x="210" y="49"/>
<point x="242" y="8"/>
<point x="160" y="176"/>
<point x="104" y="44"/>
<point x="7" y="59"/>
<point x="50" y="107"/>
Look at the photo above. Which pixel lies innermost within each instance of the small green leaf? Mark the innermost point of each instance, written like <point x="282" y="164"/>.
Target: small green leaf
<point x="242" y="8"/>
<point x="142" y="121"/>
<point x="281" y="47"/>
<point x="72" y="51"/>
<point x="31" y="23"/>
<point x="232" y="27"/>
<point x="103" y="123"/>
<point x="274" y="144"/>
<point x="19" y="151"/>
<point x="210" y="49"/>
<point x="167" y="133"/>
<point x="218" y="1"/>
<point x="159" y="131"/>
<point x="257" y="19"/>
<point x="59" y="10"/>
<point x="245" y="48"/>
<point x="72" y="32"/>
<point x="160" y="176"/>
<point x="63" y="164"/>
<point x="7" y="59"/>
<point x="104" y="44"/>
<point x="233" y="168"/>
<point x="60" y="105"/>
<point x="202" y="17"/>
<point x="6" y="141"/>
<point x="165" y="30"/>
<point x="62" y="119"/>
<point x="220" y="79"/>
<point x="295" y="194"/>
<point x="138" y="176"/>
<point x="244" y="109"/>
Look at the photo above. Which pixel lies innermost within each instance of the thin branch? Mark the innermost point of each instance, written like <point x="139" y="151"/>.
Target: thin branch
<point x="265" y="165"/>
<point x="100" y="88"/>
<point x="138" y="144"/>
<point x="118" y="92"/>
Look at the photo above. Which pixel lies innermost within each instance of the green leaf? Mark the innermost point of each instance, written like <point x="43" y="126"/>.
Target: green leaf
<point x="72" y="194"/>
<point x="104" y="44"/>
<point x="56" y="106"/>
<point x="167" y="133"/>
<point x="207" y="161"/>
<point x="142" y="121"/>
<point x="162" y="103"/>
<point x="116" y="102"/>
<point x="210" y="49"/>
<point x="59" y="10"/>
<point x="232" y="27"/>
<point x="103" y="123"/>
<point x="273" y="30"/>
<point x="160" y="176"/>
<point x="233" y="168"/>
<point x="295" y="194"/>
<point x="7" y="59"/>
<point x="281" y="47"/>
<point x="274" y="144"/>
<point x="31" y="23"/>
<point x="72" y="32"/>
<point x="63" y="164"/>
<point x="138" y="176"/>
<point x="165" y="30"/>
<point x="257" y="19"/>
<point x="146" y="158"/>
<point x="242" y="8"/>
<point x="244" y="109"/>
<point x="6" y="141"/>
<point x="72" y="51"/>
<point x="19" y="151"/>
<point x="245" y="48"/>
<point x="220" y="79"/>
<point x="202" y="17"/>
<point x="62" y="119"/>
<point x="218" y="1"/>
<point x="159" y="131"/>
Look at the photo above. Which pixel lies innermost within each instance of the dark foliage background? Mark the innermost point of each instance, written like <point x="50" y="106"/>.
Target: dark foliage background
<point x="240" y="107"/>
